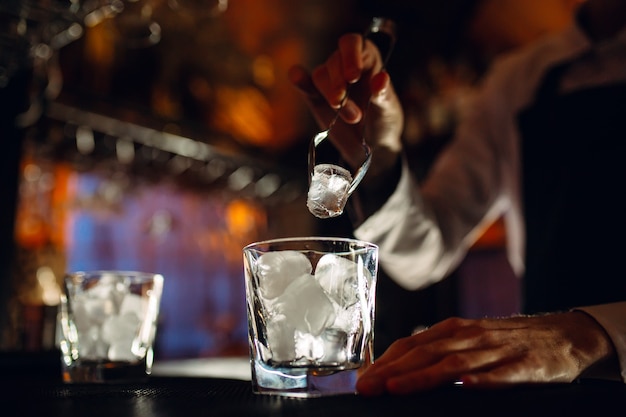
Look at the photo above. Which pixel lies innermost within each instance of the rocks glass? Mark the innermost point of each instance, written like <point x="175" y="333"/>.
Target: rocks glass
<point x="108" y="322"/>
<point x="310" y="304"/>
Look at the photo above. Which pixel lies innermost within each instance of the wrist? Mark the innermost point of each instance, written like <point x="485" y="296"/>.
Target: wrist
<point x="593" y="347"/>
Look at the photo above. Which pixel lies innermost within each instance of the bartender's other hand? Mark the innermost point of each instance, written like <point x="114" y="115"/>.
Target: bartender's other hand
<point x="490" y="353"/>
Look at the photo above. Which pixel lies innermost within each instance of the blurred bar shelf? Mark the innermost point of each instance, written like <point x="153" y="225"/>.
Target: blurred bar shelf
<point x="83" y="137"/>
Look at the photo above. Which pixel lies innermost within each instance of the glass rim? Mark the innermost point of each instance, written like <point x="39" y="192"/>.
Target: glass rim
<point x="304" y="239"/>
<point x="132" y="274"/>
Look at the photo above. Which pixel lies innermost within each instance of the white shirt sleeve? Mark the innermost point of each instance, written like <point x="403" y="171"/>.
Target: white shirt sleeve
<point x="398" y="228"/>
<point x="612" y="317"/>
<point x="423" y="232"/>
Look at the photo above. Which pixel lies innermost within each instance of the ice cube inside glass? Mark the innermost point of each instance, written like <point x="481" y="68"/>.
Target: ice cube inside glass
<point x="310" y="305"/>
<point x="108" y="322"/>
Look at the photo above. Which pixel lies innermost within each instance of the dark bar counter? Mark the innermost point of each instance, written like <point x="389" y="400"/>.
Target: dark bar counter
<point x="168" y="396"/>
<point x="38" y="392"/>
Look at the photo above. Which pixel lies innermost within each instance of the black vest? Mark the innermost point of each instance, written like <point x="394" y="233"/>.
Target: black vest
<point x="574" y="193"/>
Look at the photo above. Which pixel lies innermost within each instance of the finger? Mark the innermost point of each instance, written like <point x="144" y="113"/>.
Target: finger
<point x="487" y="366"/>
<point x="318" y="105"/>
<point x="410" y="374"/>
<point x="357" y="60"/>
<point x="351" y="50"/>
<point x="342" y="67"/>
<point x="350" y="112"/>
<point x="379" y="86"/>
<point x="469" y="347"/>
<point x="335" y="68"/>
<point x="423" y="355"/>
<point x="441" y="330"/>
<point x="380" y="93"/>
<point x="332" y="92"/>
<point x="397" y="349"/>
<point x="414" y="357"/>
<point x="331" y="80"/>
<point x="385" y="107"/>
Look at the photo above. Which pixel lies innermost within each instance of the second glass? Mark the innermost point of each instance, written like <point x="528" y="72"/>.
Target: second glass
<point x="108" y="323"/>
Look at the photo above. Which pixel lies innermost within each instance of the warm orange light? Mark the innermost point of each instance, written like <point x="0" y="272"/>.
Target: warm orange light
<point x="244" y="113"/>
<point x="41" y="209"/>
<point x="500" y="25"/>
<point x="244" y="219"/>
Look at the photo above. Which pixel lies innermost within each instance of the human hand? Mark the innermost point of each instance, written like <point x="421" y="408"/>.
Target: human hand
<point x="490" y="353"/>
<point x="356" y="64"/>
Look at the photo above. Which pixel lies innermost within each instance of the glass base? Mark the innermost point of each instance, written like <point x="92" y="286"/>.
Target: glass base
<point x="303" y="382"/>
<point x="101" y="371"/>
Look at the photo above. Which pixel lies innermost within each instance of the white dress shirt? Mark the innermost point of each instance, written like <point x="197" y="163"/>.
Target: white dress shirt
<point x="424" y="232"/>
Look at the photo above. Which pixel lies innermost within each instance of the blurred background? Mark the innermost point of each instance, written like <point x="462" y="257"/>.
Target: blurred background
<point x="163" y="135"/>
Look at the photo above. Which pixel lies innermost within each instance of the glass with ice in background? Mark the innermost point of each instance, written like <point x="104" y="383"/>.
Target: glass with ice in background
<point x="108" y="323"/>
<point x="310" y="304"/>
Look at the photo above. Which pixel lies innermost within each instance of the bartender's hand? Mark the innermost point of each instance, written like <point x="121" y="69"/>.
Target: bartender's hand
<point x="491" y="353"/>
<point x="360" y="66"/>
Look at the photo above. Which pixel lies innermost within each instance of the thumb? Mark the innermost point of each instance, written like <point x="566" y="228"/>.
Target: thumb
<point x="380" y="87"/>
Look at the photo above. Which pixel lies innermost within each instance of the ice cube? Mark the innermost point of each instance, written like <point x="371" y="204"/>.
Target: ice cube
<point x="276" y="270"/>
<point x="309" y="348"/>
<point x="108" y="279"/>
<point x="91" y="345"/>
<point x="109" y="287"/>
<point x="81" y="316"/>
<point x="339" y="277"/>
<point x="327" y="348"/>
<point x="93" y="311"/>
<point x="348" y="319"/>
<point x="335" y="343"/>
<point x="280" y="337"/>
<point x="328" y="191"/>
<point x="103" y="288"/>
<point x="121" y="351"/>
<point x="120" y="328"/>
<point x="305" y="306"/>
<point x="135" y="304"/>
